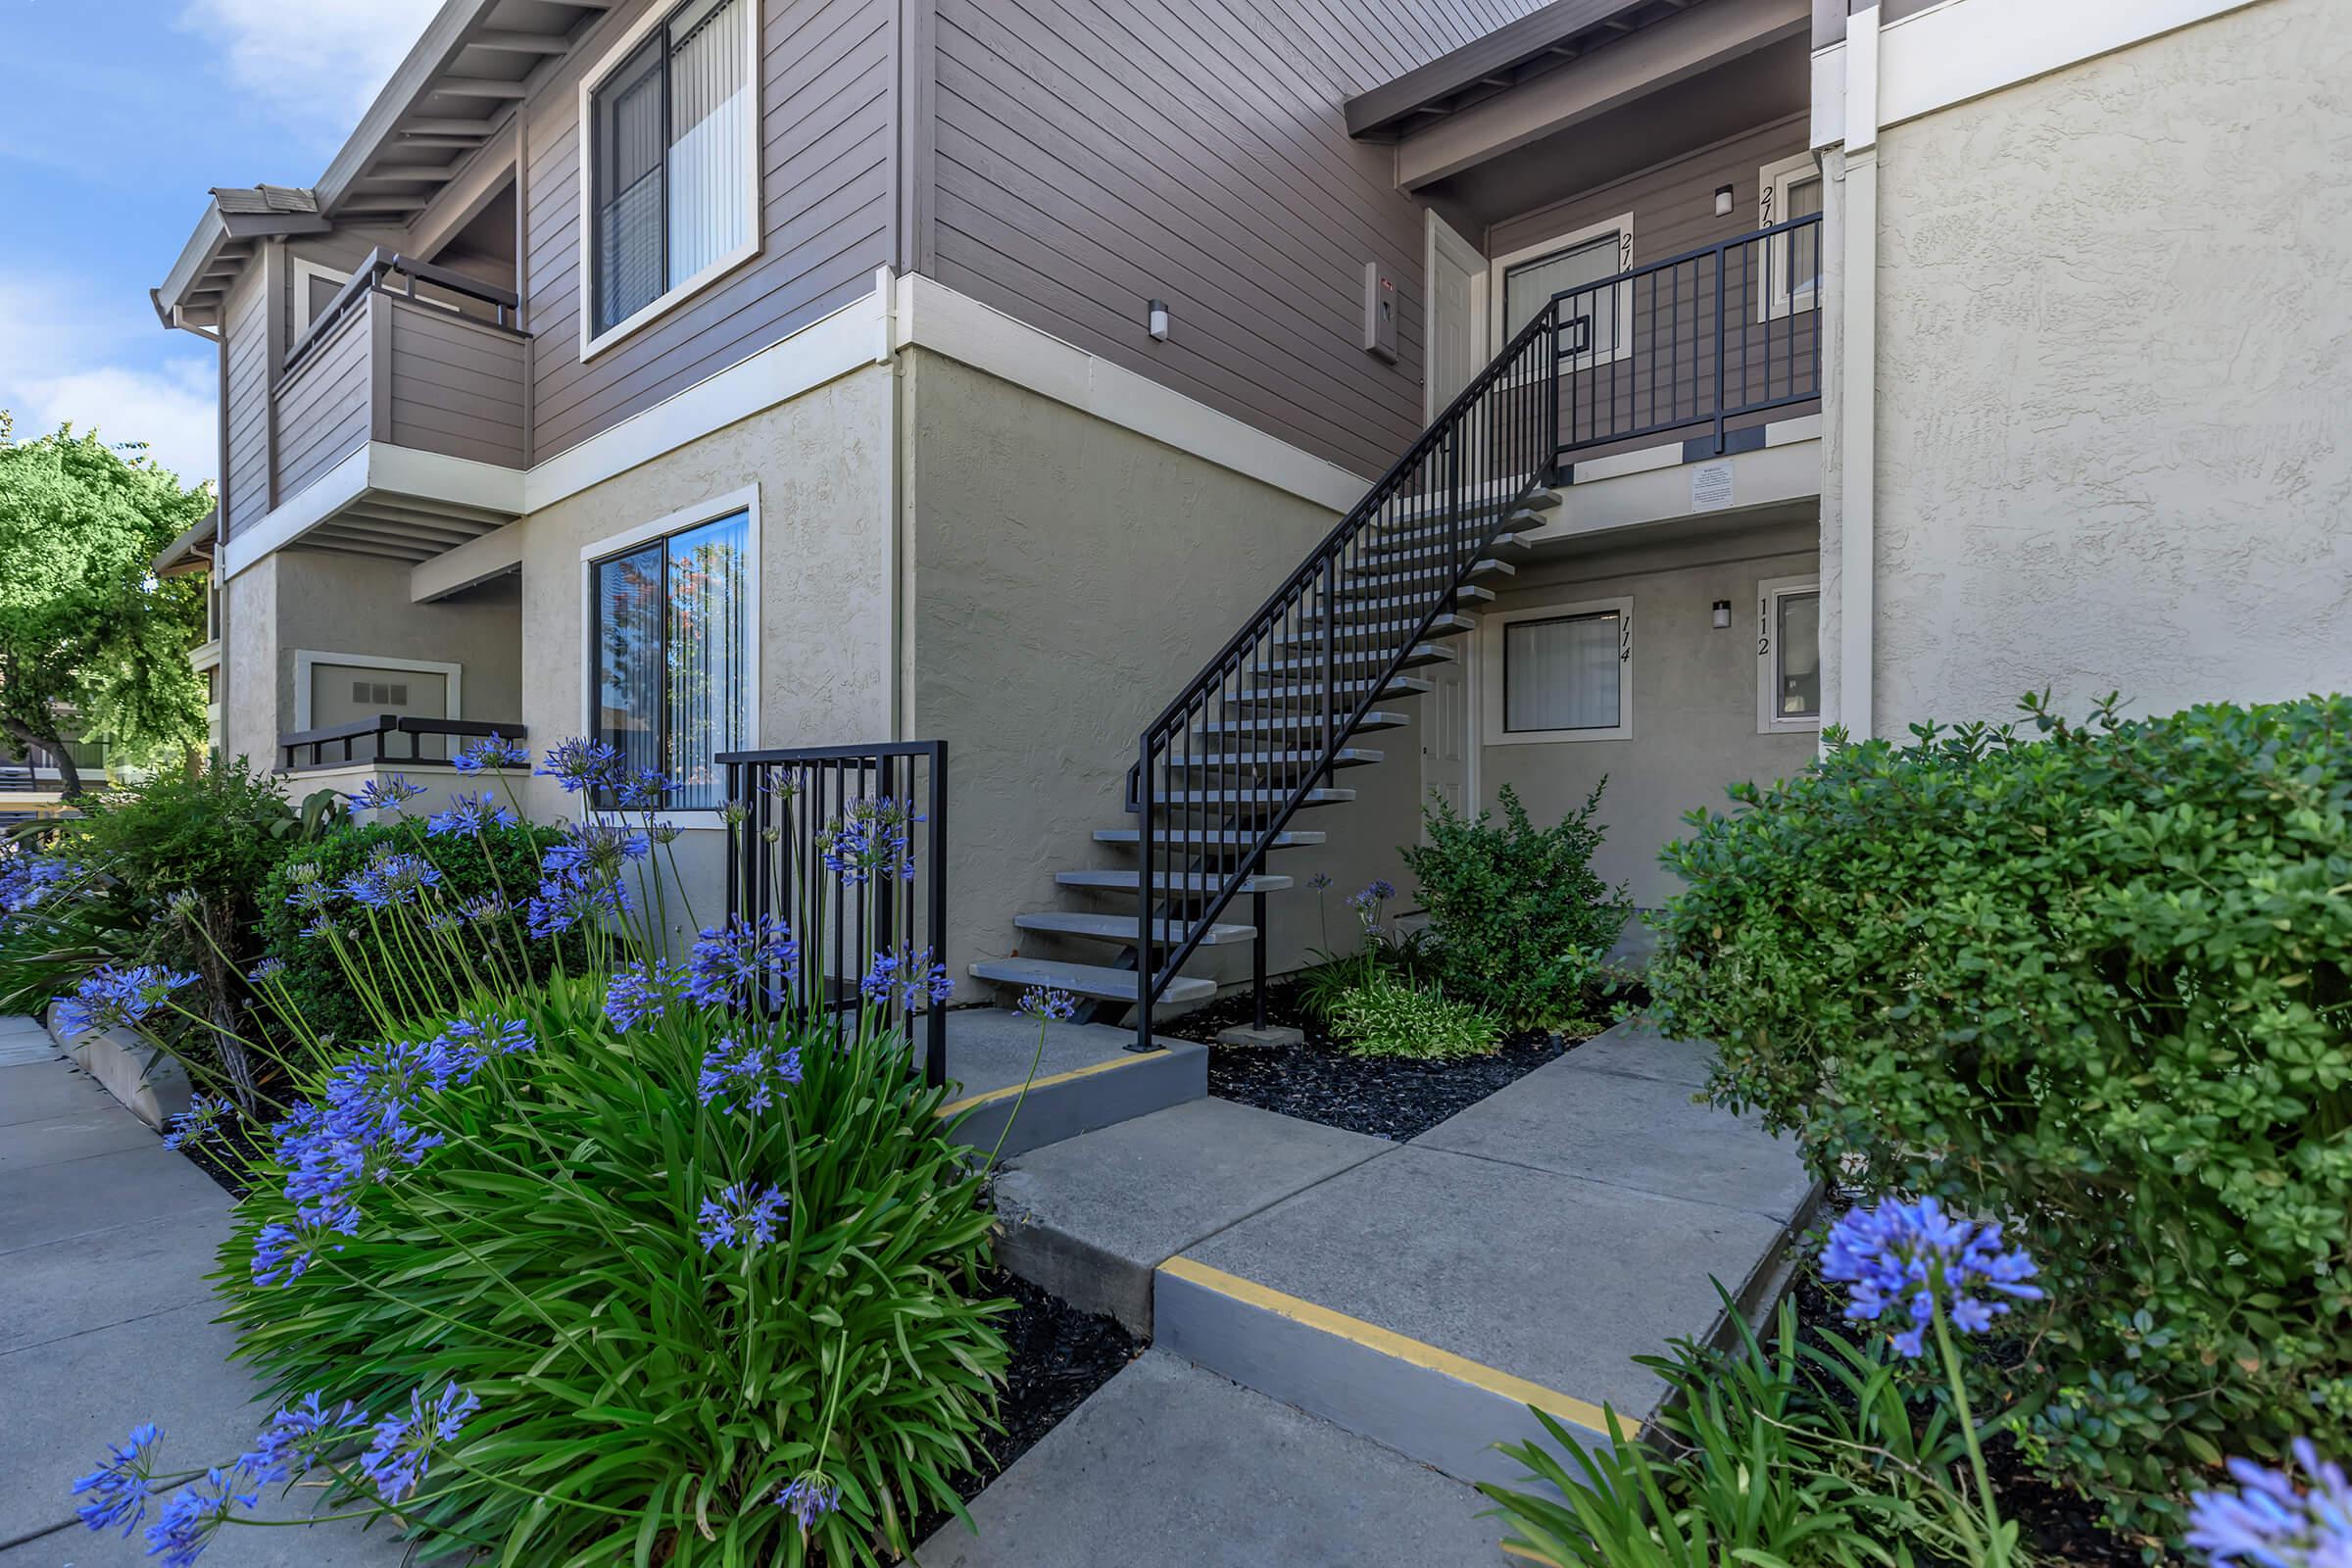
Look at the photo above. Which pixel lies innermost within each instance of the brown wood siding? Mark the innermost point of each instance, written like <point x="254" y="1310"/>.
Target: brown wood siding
<point x="457" y="384"/>
<point x="247" y="482"/>
<point x="827" y="107"/>
<point x="1089" y="156"/>
<point x="1673" y="204"/>
<point x="322" y="405"/>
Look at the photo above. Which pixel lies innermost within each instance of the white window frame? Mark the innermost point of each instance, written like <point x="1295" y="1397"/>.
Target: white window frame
<point x="304" y="271"/>
<point x="1773" y="182"/>
<point x="1493" y="639"/>
<point x="592" y="342"/>
<point x="307" y="661"/>
<point x="1500" y="269"/>
<point x="1769" y="594"/>
<point x="745" y="501"/>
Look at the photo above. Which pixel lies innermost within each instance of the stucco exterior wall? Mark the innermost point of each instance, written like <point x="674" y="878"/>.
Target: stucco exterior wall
<point x="819" y="464"/>
<point x="1693" y="694"/>
<point x="2114" y="378"/>
<point x="1067" y="577"/>
<point x="249" y="705"/>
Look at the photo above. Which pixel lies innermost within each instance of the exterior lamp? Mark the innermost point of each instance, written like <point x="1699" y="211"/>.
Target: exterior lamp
<point x="1157" y="321"/>
<point x="1723" y="615"/>
<point x="1722" y="201"/>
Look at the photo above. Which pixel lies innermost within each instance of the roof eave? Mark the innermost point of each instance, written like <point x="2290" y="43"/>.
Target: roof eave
<point x="1388" y="111"/>
<point x="194" y="258"/>
<point x="443" y="37"/>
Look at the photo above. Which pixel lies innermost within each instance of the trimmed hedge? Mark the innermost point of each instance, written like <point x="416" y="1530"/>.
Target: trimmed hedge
<point x="2096" y="978"/>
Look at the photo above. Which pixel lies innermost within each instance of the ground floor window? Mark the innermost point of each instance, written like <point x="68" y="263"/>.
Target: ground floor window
<point x="1788" y="654"/>
<point x="1560" y="672"/>
<point x="670" y="637"/>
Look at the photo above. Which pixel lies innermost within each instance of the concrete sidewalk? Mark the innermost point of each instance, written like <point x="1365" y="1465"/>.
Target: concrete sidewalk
<point x="106" y="1321"/>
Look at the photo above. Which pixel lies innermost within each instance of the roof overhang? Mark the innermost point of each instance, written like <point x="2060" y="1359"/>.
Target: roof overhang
<point x="192" y="551"/>
<point x="1515" y="53"/>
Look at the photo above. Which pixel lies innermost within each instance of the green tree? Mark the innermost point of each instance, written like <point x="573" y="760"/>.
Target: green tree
<point x="87" y="629"/>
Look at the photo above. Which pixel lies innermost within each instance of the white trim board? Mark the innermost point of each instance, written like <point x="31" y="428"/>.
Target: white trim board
<point x="1965" y="49"/>
<point x="307" y="659"/>
<point x="375" y="465"/>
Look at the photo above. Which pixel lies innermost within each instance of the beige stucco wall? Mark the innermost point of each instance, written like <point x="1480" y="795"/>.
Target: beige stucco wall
<point x="819" y="464"/>
<point x="1067" y="577"/>
<point x="2115" y="379"/>
<point x="1693" y="694"/>
<point x="293" y="599"/>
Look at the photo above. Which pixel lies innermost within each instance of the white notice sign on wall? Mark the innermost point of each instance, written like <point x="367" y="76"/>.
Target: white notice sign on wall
<point x="1710" y="486"/>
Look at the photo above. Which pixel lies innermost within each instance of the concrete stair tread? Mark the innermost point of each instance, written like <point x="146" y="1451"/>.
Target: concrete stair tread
<point x="1226" y="837"/>
<point x="1189" y="882"/>
<point x="1321" y="795"/>
<point x="1168" y="1466"/>
<point x="1311" y="664"/>
<point x="1406" y="543"/>
<point x="1087" y="979"/>
<point x="1266" y="723"/>
<point x="1123" y="927"/>
<point x="1357" y="610"/>
<point x="1090" y="1219"/>
<point x="1445" y="625"/>
<point x="1395" y="687"/>
<point x="1383" y="581"/>
<point x="1345" y="756"/>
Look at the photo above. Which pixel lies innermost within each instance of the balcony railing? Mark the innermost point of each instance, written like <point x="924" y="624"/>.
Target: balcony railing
<point x="387" y="738"/>
<point x="442" y="370"/>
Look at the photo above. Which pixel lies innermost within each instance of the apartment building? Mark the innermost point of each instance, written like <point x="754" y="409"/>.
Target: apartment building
<point x="1226" y="425"/>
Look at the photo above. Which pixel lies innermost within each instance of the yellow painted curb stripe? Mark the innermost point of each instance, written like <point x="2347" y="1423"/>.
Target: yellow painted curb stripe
<point x="1373" y="1336"/>
<point x="969" y="1101"/>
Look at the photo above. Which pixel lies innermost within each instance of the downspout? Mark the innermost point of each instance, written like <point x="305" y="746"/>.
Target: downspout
<point x="1858" y="375"/>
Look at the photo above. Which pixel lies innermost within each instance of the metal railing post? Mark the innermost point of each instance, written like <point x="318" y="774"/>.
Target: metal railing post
<point x="935" y="1046"/>
<point x="1721" y="343"/>
<point x="1257" y="951"/>
<point x="1144" y="934"/>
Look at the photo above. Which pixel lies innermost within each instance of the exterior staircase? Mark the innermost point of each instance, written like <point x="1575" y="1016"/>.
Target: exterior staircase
<point x="1268" y="728"/>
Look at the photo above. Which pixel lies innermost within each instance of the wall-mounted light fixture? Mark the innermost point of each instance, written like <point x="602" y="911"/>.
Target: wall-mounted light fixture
<point x="1723" y="615"/>
<point x="1155" y="320"/>
<point x="1722" y="201"/>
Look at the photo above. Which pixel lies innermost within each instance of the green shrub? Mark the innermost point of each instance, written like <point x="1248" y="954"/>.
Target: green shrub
<point x="1802" y="1455"/>
<point x="1390" y="1016"/>
<point x="2094" y="978"/>
<point x="1521" y="923"/>
<point x="1380" y="951"/>
<point x="502" y="862"/>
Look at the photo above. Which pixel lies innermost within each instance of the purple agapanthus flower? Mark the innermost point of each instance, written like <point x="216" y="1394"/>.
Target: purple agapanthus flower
<point x="269" y="969"/>
<point x="27" y="880"/>
<point x="493" y="751"/>
<point x="199" y="1122"/>
<point x="565" y="899"/>
<point x="117" y="1490"/>
<point x="641" y="989"/>
<point x="593" y="850"/>
<point x="283" y="1251"/>
<point x="397" y="878"/>
<point x="640" y="789"/>
<point x="807" y="1497"/>
<point x="870" y="842"/>
<point x="744" y="1075"/>
<point x="1915" y="1259"/>
<point x="1046" y="1002"/>
<point x="114" y="996"/>
<point x="196" y="1513"/>
<point x="468" y="814"/>
<point x="580" y="763"/>
<point x="907" y="977"/>
<point x="402" y="1452"/>
<point x="740" y="1217"/>
<point x="297" y="1438"/>
<point x="734" y="963"/>
<point x="389" y="794"/>
<point x="2271" y="1522"/>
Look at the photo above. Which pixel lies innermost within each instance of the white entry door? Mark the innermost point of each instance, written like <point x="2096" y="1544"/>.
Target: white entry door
<point x="1448" y="766"/>
<point x="1456" y="315"/>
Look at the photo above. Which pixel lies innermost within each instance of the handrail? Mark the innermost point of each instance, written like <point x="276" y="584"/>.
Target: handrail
<point x="780" y="807"/>
<point x="318" y="737"/>
<point x="1308" y="668"/>
<point x="367" y="277"/>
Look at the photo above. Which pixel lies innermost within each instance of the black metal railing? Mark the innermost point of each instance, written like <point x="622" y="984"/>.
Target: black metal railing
<point x="1705" y="339"/>
<point x="372" y="275"/>
<point x="388" y="738"/>
<point x="788" y="807"/>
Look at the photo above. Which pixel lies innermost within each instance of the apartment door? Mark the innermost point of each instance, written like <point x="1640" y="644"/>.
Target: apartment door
<point x="1456" y="315"/>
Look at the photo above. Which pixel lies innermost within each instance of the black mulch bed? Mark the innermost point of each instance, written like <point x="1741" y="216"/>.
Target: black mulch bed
<point x="2060" y="1527"/>
<point x="1387" y="1096"/>
<point x="1059" y="1356"/>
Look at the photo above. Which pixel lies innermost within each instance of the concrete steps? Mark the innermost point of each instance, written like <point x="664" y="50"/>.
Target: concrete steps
<point x="1224" y="838"/>
<point x="1425" y="1295"/>
<point x="1124" y="927"/>
<point x="1087" y="1078"/>
<point x="1444" y="626"/>
<point x="1084" y="979"/>
<point x="1244" y="762"/>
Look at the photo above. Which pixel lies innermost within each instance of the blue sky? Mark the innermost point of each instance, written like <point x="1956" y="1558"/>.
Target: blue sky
<point x="115" y="116"/>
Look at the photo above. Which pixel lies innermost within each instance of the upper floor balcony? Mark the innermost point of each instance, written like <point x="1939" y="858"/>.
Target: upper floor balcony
<point x="399" y="423"/>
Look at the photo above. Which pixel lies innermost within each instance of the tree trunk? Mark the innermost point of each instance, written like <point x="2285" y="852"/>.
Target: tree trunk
<point x="25" y="736"/>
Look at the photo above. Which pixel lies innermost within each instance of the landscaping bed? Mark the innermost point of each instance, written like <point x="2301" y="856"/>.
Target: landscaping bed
<point x="1387" y="1096"/>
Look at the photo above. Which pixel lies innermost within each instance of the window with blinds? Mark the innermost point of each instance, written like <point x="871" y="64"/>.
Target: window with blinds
<point x="670" y="633"/>
<point x="672" y="158"/>
<point x="1562" y="673"/>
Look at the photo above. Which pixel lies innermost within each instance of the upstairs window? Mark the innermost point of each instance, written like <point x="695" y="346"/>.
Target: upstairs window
<point x="673" y="162"/>
<point x="670" y="638"/>
<point x="1595" y="322"/>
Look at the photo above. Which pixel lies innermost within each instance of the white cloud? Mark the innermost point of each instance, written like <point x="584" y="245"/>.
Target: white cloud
<point x="71" y="356"/>
<point x="319" y="65"/>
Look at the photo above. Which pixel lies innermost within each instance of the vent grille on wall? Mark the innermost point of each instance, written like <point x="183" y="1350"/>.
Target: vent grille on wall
<point x="394" y="693"/>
